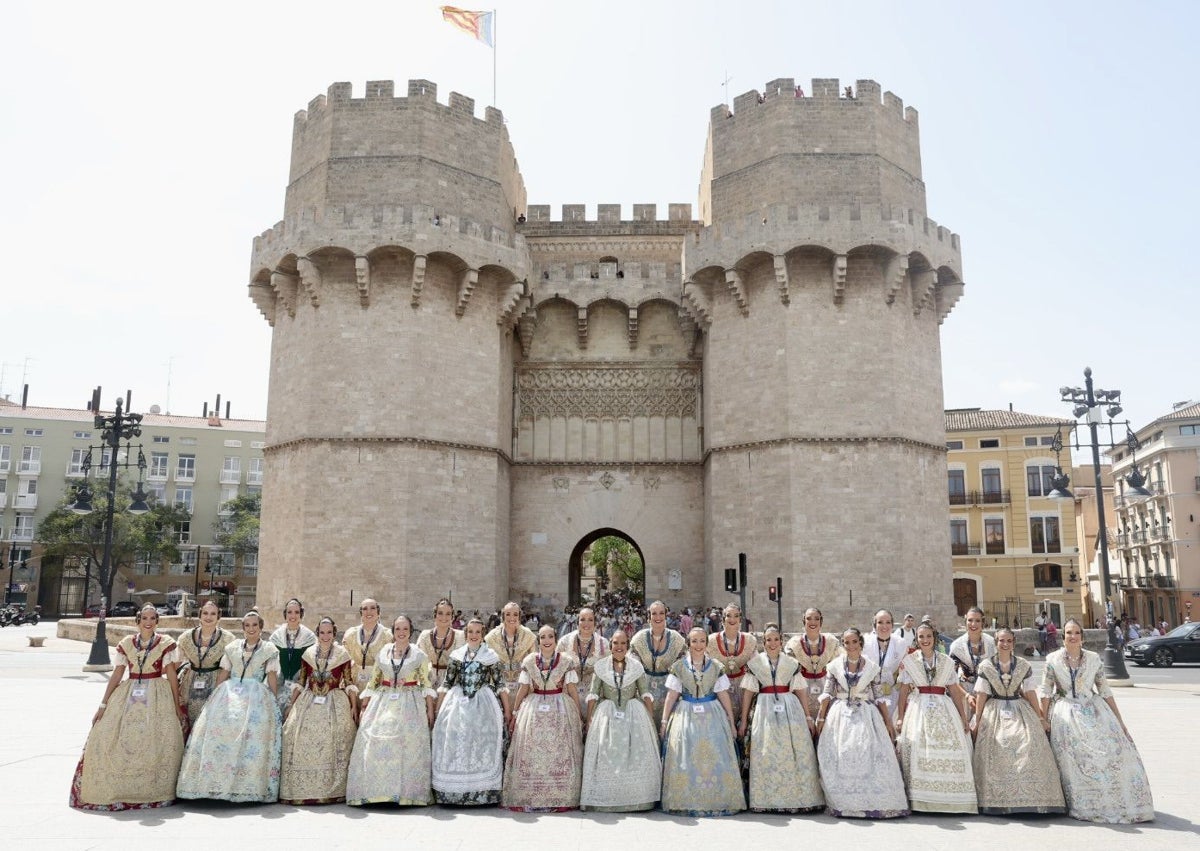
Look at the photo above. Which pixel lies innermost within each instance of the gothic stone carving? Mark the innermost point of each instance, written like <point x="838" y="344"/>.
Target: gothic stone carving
<point x="604" y="391"/>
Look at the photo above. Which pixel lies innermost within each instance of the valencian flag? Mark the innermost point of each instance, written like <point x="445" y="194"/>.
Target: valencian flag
<point x="478" y="25"/>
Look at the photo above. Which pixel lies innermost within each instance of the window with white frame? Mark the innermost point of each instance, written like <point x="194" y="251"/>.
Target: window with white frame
<point x="33" y="432"/>
<point x="31" y="459"/>
<point x="183" y="499"/>
<point x="1189" y="429"/>
<point x="257" y="444"/>
<point x="160" y="438"/>
<point x="157" y="491"/>
<point x="23" y="530"/>
<point x="83" y="435"/>
<point x="6" y="430"/>
<point x="75" y="466"/>
<point x="185" y="468"/>
<point x="958" y="537"/>
<point x="1044" y="535"/>
<point x="188" y="441"/>
<point x="1039" y="479"/>
<point x="231" y="469"/>
<point x="159" y="462"/>
<point x="993" y="535"/>
<point x="5" y="457"/>
<point x="233" y="444"/>
<point x="228" y="494"/>
<point x="3" y="490"/>
<point x="958" y="486"/>
<point x="990" y="478"/>
<point x="183" y="532"/>
<point x="250" y="564"/>
<point x="105" y="458"/>
<point x="254" y="475"/>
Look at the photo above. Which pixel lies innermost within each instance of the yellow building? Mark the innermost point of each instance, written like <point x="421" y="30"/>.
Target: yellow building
<point x="1015" y="550"/>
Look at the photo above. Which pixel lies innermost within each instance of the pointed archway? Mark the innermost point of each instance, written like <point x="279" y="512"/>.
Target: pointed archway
<point x="575" y="568"/>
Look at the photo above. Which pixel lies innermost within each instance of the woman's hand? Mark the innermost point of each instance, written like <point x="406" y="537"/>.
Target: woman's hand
<point x="99" y="714"/>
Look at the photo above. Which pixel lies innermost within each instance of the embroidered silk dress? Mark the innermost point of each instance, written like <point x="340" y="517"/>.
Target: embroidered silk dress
<point x="859" y="772"/>
<point x="438" y="650"/>
<point x="733" y="654"/>
<point x="318" y="734"/>
<point x="967" y="658"/>
<point x="586" y="653"/>
<point x="391" y="761"/>
<point x="545" y="760"/>
<point x="887" y="656"/>
<point x="511" y="653"/>
<point x="1103" y="777"/>
<point x="291" y="646"/>
<point x="131" y="759"/>
<point x="701" y="775"/>
<point x="657" y="657"/>
<point x="935" y="752"/>
<point x="468" y="736"/>
<point x="1015" y="770"/>
<point x="622" y="769"/>
<point x="199" y="661"/>
<point x="233" y="752"/>
<point x="783" y="761"/>
<point x="364" y="645"/>
<point x="813" y="657"/>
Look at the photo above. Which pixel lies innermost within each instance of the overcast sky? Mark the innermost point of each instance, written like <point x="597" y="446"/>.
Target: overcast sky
<point x="145" y="144"/>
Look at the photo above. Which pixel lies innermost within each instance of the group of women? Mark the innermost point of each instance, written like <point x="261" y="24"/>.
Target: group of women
<point x="636" y="722"/>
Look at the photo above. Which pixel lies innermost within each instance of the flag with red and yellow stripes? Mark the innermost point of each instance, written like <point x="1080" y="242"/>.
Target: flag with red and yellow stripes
<point x="478" y="25"/>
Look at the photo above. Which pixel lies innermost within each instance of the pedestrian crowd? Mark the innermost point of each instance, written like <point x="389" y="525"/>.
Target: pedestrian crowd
<point x="629" y="709"/>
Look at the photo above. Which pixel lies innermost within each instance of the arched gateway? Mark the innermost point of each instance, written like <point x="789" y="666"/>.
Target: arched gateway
<point x="463" y="389"/>
<point x="579" y="575"/>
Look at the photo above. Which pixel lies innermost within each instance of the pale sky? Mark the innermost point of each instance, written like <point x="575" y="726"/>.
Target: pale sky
<point x="145" y="144"/>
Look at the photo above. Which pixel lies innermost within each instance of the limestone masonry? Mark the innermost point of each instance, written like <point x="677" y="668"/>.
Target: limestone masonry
<point x="466" y="391"/>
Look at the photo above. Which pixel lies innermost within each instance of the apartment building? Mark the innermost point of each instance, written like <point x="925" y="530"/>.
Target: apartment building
<point x="198" y="463"/>
<point x="1014" y="549"/>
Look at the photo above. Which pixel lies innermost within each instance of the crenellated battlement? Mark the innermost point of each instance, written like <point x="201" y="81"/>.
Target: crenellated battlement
<point x="381" y="94"/>
<point x="610" y="213"/>
<point x="824" y="92"/>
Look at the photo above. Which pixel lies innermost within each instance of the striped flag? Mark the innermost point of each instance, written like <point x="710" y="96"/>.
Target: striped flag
<point x="478" y="25"/>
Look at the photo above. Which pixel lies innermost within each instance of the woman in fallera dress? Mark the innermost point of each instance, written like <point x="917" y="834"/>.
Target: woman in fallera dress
<point x="440" y="641"/>
<point x="1102" y="773"/>
<point x="473" y="710"/>
<point x="622" y="768"/>
<point x="657" y="647"/>
<point x="859" y="772"/>
<point x="131" y="759"/>
<point x="291" y="638"/>
<point x="544" y="767"/>
<point x="814" y="650"/>
<point x="391" y="758"/>
<point x="318" y="734"/>
<point x="701" y="775"/>
<point x="783" y="762"/>
<point x="200" y="651"/>
<point x="587" y="646"/>
<point x="934" y="740"/>
<point x="1015" y="770"/>
<point x="363" y="643"/>
<point x="233" y="752"/>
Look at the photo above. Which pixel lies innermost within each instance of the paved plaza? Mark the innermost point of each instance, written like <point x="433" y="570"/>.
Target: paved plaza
<point x="46" y="703"/>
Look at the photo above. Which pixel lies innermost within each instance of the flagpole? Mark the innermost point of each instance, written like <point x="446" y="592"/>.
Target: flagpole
<point x="495" y="41"/>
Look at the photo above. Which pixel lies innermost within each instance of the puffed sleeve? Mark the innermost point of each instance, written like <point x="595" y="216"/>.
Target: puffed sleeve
<point x="523" y="679"/>
<point x="453" y="669"/>
<point x="571" y="677"/>
<point x="644" y="687"/>
<point x="1049" y="685"/>
<point x="272" y="665"/>
<point x="673" y="684"/>
<point x="172" y="656"/>
<point x="225" y="664"/>
<point x="1028" y="684"/>
<point x="829" y="692"/>
<point x="983" y="686"/>
<point x="1102" y="687"/>
<point x="594" y="689"/>
<point x="904" y="679"/>
<point x="750" y="683"/>
<point x="722" y="684"/>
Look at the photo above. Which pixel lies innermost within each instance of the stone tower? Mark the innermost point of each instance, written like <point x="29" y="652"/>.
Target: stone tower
<point x="466" y="392"/>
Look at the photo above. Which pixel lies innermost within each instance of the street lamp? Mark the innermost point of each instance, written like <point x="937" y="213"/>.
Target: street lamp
<point x="119" y="427"/>
<point x="13" y="561"/>
<point x="1089" y="401"/>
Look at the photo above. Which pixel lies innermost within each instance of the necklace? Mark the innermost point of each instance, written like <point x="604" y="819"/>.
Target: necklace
<point x="196" y="641"/>
<point x="545" y="671"/>
<point x="930" y="670"/>
<point x="583" y="657"/>
<point x="397" y="668"/>
<point x="137" y="642"/>
<point x="852" y="677"/>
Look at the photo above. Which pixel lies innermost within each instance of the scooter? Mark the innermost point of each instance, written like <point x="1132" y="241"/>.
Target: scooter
<point x="28" y="617"/>
<point x="6" y="616"/>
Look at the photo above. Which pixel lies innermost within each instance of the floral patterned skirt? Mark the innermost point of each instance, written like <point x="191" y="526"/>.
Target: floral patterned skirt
<point x="1015" y="770"/>
<point x="622" y="769"/>
<point x="859" y="771"/>
<point x="1102" y="773"/>
<point x="701" y="774"/>
<point x="391" y="758"/>
<point x="543" y="771"/>
<point x="468" y="749"/>
<point x="935" y="756"/>
<point x="317" y="739"/>
<point x="233" y="752"/>
<point x="783" y="761"/>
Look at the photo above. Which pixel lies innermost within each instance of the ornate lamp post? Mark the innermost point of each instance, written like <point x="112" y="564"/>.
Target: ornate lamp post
<point x="1088" y="401"/>
<point x="119" y="427"/>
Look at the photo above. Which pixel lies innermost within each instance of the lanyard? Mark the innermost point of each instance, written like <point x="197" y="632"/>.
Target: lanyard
<point x="322" y="674"/>
<point x="975" y="657"/>
<point x="697" y="677"/>
<point x="196" y="641"/>
<point x="545" y="672"/>
<point x="774" y="668"/>
<point x="813" y="658"/>
<point x="1005" y="679"/>
<point x="510" y="650"/>
<point x="1074" y="672"/>
<point x="137" y="642"/>
<point x="853" y="678"/>
<point x="620" y="680"/>
<point x="365" y="643"/>
<point x="723" y="644"/>
<point x="930" y="673"/>
<point x="583" y="657"/>
<point x="655" y="655"/>
<point x="396" y="669"/>
<point x="441" y="647"/>
<point x="883" y="645"/>
<point x="247" y="659"/>
<point x="291" y="639"/>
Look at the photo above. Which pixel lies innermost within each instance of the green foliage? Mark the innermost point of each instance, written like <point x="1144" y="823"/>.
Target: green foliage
<point x="237" y="531"/>
<point x="67" y="536"/>
<point x="616" y="559"/>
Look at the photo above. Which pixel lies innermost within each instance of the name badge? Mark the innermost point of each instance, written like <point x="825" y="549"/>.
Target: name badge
<point x="815" y="688"/>
<point x="930" y="701"/>
<point x="463" y="699"/>
<point x="543" y="707"/>
<point x="619" y="714"/>
<point x="239" y="689"/>
<point x="779" y="707"/>
<point x="1006" y="712"/>
<point x="886" y="688"/>
<point x="363" y="676"/>
<point x="319" y="699"/>
<point x="697" y="708"/>
<point x="199" y="685"/>
<point x="138" y="693"/>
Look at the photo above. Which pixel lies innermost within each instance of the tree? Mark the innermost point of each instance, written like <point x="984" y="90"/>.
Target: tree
<point x="619" y="561"/>
<point x="65" y="535"/>
<point x="237" y="530"/>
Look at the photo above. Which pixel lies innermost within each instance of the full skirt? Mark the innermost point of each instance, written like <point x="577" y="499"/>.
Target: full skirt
<point x="701" y="774"/>
<point x="783" y="761"/>
<point x="622" y="769"/>
<point x="317" y="739"/>
<point x="468" y="749"/>
<point x="391" y="758"/>
<point x="1102" y="773"/>
<point x="935" y="756"/>
<point x="859" y="771"/>
<point x="1015" y="771"/>
<point x="196" y="697"/>
<point x="543" y="771"/>
<point x="131" y="759"/>
<point x="233" y="752"/>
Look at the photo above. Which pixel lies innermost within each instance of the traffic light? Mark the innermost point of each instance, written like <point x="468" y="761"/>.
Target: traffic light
<point x="773" y="593"/>
<point x="731" y="580"/>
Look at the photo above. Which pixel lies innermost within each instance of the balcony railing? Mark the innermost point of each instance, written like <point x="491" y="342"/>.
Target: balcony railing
<point x="231" y="477"/>
<point x="22" y="534"/>
<point x="959" y="549"/>
<point x="1164" y="581"/>
<point x="30" y="468"/>
<point x="254" y="477"/>
<point x="981" y="498"/>
<point x="995" y="548"/>
<point x="25" y="500"/>
<point x="185" y="475"/>
<point x="1142" y="580"/>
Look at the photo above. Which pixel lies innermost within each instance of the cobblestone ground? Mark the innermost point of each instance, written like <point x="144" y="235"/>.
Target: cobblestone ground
<point x="46" y="703"/>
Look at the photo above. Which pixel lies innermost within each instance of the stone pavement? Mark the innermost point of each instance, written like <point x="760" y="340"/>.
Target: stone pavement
<point x="46" y="703"/>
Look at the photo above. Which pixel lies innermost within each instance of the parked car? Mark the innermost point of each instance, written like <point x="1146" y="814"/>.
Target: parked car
<point x="92" y="610"/>
<point x="1181" y="644"/>
<point x="124" y="609"/>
